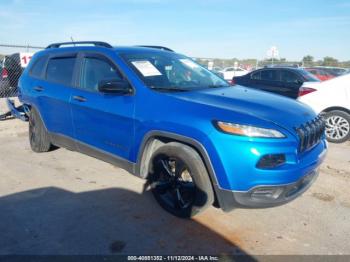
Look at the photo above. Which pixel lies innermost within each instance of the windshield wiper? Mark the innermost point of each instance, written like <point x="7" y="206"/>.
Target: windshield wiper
<point x="217" y="86"/>
<point x="176" y="89"/>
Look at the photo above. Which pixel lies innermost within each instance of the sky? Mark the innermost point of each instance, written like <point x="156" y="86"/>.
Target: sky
<point x="198" y="28"/>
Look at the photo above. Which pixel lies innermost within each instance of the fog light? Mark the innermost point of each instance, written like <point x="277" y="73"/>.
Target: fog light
<point x="293" y="190"/>
<point x="271" y="161"/>
<point x="266" y="193"/>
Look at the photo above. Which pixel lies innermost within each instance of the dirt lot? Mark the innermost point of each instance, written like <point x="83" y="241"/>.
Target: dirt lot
<point x="63" y="202"/>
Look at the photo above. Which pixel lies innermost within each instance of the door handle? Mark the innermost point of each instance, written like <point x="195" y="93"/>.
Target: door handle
<point x="38" y="88"/>
<point x="79" y="98"/>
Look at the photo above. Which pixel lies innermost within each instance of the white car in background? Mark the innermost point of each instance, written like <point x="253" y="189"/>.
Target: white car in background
<point x="332" y="99"/>
<point x="230" y="72"/>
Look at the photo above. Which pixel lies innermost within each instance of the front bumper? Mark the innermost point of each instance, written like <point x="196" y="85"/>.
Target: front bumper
<point x="266" y="196"/>
<point x="271" y="194"/>
<point x="17" y="112"/>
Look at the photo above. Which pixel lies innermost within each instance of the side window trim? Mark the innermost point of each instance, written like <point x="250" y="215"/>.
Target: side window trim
<point x="278" y="72"/>
<point x="279" y="76"/>
<point x="79" y="73"/>
<point x="261" y="74"/>
<point x="255" y="73"/>
<point x="62" y="55"/>
<point x="79" y="67"/>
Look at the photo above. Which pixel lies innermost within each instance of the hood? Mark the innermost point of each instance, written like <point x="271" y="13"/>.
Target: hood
<point x="282" y="111"/>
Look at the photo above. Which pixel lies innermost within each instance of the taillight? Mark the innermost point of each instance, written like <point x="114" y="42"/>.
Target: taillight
<point x="4" y="73"/>
<point x="305" y="90"/>
<point x="231" y="82"/>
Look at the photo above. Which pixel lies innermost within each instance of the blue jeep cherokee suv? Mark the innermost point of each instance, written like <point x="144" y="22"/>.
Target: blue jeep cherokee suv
<point x="163" y="117"/>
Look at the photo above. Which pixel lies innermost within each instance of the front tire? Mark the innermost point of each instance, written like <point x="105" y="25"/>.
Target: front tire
<point x="179" y="180"/>
<point x="38" y="136"/>
<point x="337" y="126"/>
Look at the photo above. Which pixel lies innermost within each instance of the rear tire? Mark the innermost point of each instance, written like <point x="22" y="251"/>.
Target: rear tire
<point x="337" y="126"/>
<point x="38" y="136"/>
<point x="179" y="180"/>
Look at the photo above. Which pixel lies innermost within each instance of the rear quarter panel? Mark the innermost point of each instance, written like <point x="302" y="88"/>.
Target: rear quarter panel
<point x="329" y="94"/>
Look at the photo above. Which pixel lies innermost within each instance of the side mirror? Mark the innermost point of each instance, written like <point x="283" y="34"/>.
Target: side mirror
<point x="115" y="86"/>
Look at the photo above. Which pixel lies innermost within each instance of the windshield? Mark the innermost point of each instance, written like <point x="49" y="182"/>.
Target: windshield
<point x="171" y="71"/>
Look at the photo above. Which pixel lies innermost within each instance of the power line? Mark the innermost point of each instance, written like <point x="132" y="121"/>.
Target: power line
<point x="22" y="46"/>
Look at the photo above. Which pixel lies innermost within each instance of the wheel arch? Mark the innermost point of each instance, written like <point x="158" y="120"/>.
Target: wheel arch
<point x="333" y="108"/>
<point x="31" y="107"/>
<point x="154" y="139"/>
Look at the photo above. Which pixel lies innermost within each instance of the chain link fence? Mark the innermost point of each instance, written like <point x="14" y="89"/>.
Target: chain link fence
<point x="13" y="60"/>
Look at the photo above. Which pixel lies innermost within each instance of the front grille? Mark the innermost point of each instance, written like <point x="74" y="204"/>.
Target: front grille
<point x="310" y="133"/>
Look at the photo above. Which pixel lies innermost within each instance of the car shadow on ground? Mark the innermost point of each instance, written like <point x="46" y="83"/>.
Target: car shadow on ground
<point x="109" y="221"/>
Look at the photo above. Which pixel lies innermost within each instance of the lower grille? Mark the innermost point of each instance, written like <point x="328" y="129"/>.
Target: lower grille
<point x="310" y="133"/>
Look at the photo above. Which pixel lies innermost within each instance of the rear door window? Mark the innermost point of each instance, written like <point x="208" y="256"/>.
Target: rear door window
<point x="60" y="70"/>
<point x="269" y="75"/>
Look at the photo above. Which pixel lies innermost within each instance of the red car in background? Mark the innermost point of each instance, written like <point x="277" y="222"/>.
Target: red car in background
<point x="319" y="73"/>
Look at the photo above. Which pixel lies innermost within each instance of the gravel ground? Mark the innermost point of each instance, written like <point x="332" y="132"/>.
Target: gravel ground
<point x="64" y="202"/>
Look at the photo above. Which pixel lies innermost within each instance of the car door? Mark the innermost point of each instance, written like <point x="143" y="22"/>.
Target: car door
<point x="52" y="90"/>
<point x="270" y="81"/>
<point x="102" y="122"/>
<point x="292" y="82"/>
<point x="259" y="80"/>
<point x="251" y="80"/>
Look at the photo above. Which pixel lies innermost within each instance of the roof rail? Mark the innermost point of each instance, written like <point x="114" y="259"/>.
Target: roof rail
<point x="282" y="66"/>
<point x="95" y="43"/>
<point x="157" y="47"/>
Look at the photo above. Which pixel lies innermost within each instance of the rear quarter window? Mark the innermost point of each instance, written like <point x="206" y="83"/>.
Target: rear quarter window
<point x="308" y="77"/>
<point x="60" y="70"/>
<point x="289" y="77"/>
<point x="38" y="67"/>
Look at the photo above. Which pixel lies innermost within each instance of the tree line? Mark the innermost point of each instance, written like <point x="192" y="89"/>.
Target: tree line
<point x="307" y="61"/>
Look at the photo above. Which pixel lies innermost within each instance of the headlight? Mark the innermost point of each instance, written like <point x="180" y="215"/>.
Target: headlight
<point x="250" y="131"/>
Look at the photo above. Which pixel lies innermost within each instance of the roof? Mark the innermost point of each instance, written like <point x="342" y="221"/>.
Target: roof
<point x="283" y="67"/>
